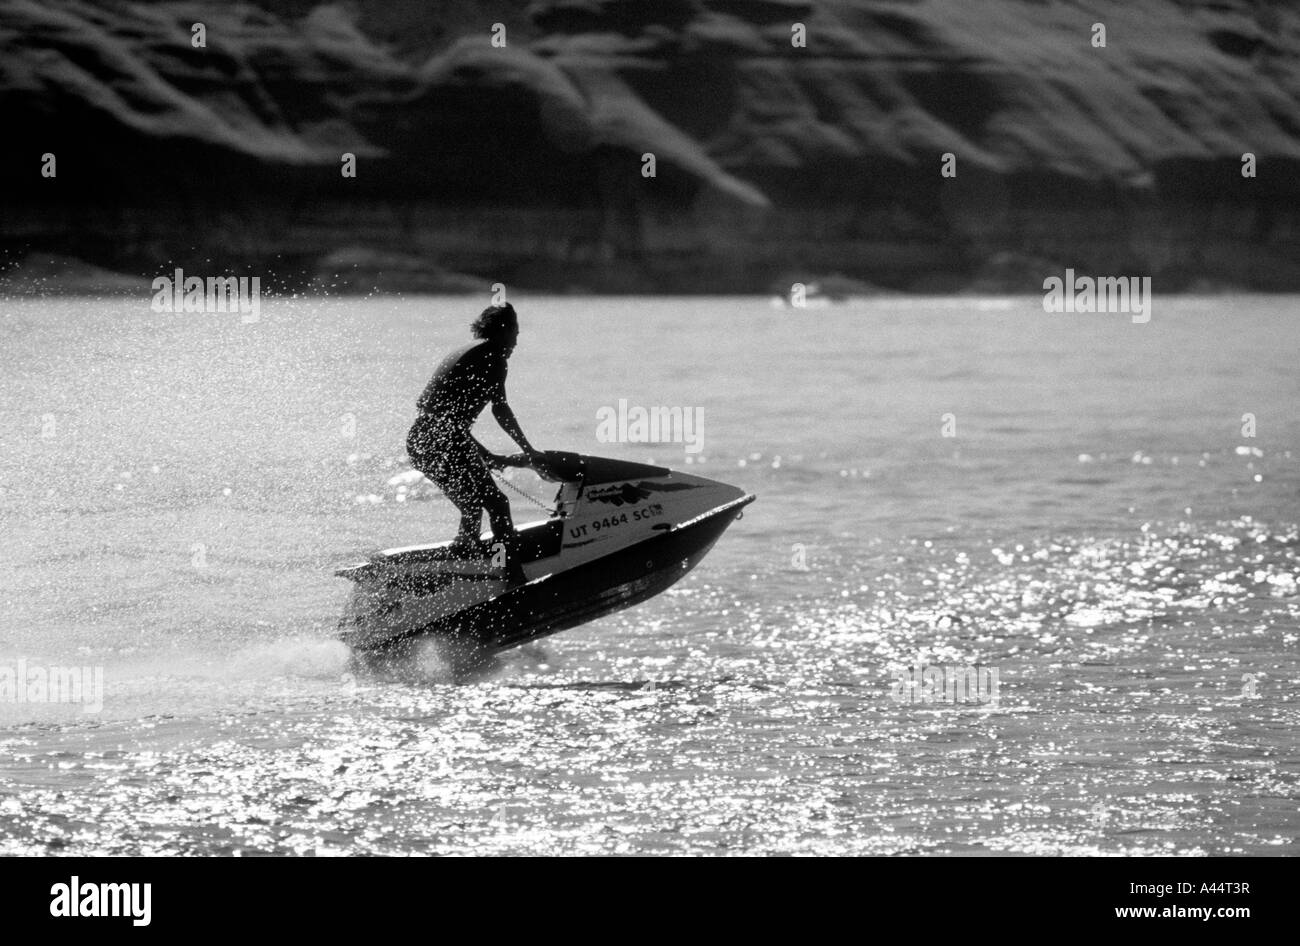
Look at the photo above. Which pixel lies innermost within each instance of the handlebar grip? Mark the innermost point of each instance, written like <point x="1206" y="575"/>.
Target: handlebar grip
<point x="514" y="459"/>
<point x="555" y="466"/>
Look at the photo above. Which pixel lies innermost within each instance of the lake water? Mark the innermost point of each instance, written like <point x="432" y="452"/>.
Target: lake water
<point x="175" y="491"/>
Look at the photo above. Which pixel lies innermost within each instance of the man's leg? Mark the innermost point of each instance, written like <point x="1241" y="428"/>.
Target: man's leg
<point x="444" y="463"/>
<point x="465" y="501"/>
<point x="455" y="486"/>
<point x="478" y="482"/>
<point x="503" y="531"/>
<point x="472" y="491"/>
<point x="471" y="525"/>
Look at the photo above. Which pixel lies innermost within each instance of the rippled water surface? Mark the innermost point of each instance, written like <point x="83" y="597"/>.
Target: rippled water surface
<point x="176" y="490"/>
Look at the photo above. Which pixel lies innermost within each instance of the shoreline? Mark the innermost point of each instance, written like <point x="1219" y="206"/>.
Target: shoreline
<point x="41" y="276"/>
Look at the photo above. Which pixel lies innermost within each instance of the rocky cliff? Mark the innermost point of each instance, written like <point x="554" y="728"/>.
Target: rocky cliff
<point x="508" y="142"/>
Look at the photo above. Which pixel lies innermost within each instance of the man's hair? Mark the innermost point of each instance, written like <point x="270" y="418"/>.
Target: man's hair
<point x="494" y="321"/>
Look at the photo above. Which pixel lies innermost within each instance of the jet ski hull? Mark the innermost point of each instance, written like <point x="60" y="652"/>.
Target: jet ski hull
<point x="566" y="599"/>
<point x="622" y="533"/>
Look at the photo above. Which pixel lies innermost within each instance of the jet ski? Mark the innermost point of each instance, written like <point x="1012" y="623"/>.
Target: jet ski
<point x="620" y="533"/>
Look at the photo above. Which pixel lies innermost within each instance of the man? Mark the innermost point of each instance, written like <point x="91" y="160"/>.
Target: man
<point x="443" y="449"/>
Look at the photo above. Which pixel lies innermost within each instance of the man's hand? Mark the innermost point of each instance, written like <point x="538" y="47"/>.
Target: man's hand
<point x="520" y="460"/>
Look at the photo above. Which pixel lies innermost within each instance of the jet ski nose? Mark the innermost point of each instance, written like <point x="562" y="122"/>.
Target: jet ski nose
<point x="724" y="491"/>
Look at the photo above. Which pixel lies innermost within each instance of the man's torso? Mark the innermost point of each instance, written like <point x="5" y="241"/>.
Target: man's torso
<point x="462" y="385"/>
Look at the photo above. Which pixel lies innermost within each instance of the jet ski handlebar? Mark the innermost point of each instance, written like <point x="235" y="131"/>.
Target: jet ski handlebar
<point x="559" y="466"/>
<point x="553" y="465"/>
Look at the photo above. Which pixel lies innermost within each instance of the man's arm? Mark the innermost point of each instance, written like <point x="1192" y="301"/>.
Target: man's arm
<point x="490" y="459"/>
<point x="510" y="424"/>
<point x="502" y="412"/>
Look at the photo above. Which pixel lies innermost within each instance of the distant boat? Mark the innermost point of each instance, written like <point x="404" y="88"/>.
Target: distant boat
<point x="811" y="295"/>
